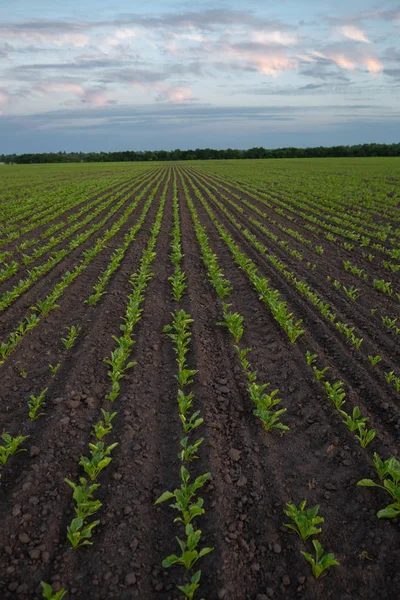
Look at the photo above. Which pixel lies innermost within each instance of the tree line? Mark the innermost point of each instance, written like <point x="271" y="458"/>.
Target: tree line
<point x="204" y="154"/>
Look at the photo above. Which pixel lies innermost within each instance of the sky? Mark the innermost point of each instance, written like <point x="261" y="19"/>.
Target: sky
<point x="97" y="75"/>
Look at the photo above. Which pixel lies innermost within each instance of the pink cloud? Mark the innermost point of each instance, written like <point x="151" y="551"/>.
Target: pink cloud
<point x="176" y="95"/>
<point x="373" y="64"/>
<point x="344" y="61"/>
<point x="353" y="33"/>
<point x="274" y="37"/>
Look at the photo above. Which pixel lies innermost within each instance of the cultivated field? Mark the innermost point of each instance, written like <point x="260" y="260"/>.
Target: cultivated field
<point x="227" y="332"/>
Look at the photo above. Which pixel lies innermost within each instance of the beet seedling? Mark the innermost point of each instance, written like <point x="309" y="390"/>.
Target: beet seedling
<point x="233" y="321"/>
<point x="79" y="534"/>
<point x="189" y="553"/>
<point x="191" y="424"/>
<point x="11" y="446"/>
<point x="99" y="461"/>
<point x="335" y="393"/>
<point x="305" y="521"/>
<point x="185" y="496"/>
<point x="321" y="562"/>
<point x="319" y="374"/>
<point x="189" y="589"/>
<point x="310" y="358"/>
<point x="54" y="369"/>
<point x="102" y="428"/>
<point x="48" y="593"/>
<point x="35" y="403"/>
<point x="189" y="450"/>
<point x="389" y="474"/>
<point x="72" y="336"/>
<point x="264" y="403"/>
<point x="83" y="496"/>
<point x="365" y="436"/>
<point x="374" y="360"/>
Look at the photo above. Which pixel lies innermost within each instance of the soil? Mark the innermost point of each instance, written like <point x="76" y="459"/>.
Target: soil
<point x="254" y="473"/>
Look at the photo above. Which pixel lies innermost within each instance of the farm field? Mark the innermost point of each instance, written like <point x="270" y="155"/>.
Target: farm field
<point x="218" y="335"/>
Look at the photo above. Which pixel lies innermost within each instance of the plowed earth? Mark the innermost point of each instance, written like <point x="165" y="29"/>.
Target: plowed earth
<point x="254" y="473"/>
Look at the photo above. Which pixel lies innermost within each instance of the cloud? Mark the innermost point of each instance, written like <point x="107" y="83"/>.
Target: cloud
<point x="353" y="33"/>
<point x="41" y="33"/>
<point x="176" y="95"/>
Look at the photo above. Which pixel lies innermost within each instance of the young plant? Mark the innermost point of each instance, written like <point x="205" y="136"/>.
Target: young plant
<point x="365" y="436"/>
<point x="35" y="403"/>
<point x="389" y="474"/>
<point x="321" y="562"/>
<point x="189" y="589"/>
<point x="185" y="497"/>
<point x="86" y="505"/>
<point x="102" y="428"/>
<point x="189" y="450"/>
<point x="54" y="368"/>
<point x="11" y="446"/>
<point x="305" y="521"/>
<point x="264" y="403"/>
<point x="48" y="593"/>
<point x="319" y="374"/>
<point x="335" y="393"/>
<point x="374" y="360"/>
<point x="189" y="552"/>
<point x="351" y="292"/>
<point x="99" y="461"/>
<point x="72" y="336"/>
<point x="310" y="358"/>
<point x="78" y="533"/>
<point x="233" y="321"/>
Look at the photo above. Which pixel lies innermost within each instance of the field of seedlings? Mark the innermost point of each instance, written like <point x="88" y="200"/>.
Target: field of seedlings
<point x="200" y="368"/>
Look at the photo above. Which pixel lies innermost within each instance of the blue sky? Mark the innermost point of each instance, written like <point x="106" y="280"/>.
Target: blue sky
<point x="101" y="75"/>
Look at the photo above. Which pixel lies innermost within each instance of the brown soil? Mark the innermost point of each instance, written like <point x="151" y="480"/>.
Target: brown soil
<point x="319" y="460"/>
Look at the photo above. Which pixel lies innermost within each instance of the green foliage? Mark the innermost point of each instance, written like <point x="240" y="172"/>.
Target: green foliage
<point x="321" y="562"/>
<point x="305" y="520"/>
<point x="389" y="474"/>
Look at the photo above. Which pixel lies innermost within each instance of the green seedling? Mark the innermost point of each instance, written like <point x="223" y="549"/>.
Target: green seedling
<point x="185" y="401"/>
<point x="351" y="292"/>
<point x="184" y="376"/>
<point x="189" y="553"/>
<point x="185" y="497"/>
<point x="192" y="423"/>
<point x="79" y="534"/>
<point x="321" y="562"/>
<point x="189" y="589"/>
<point x="49" y="594"/>
<point x="319" y="374"/>
<point x="264" y="403"/>
<point x="374" y="360"/>
<point x="54" y="368"/>
<point x="23" y="373"/>
<point x="100" y="459"/>
<point x="310" y="358"/>
<point x="305" y="521"/>
<point x="83" y="496"/>
<point x="355" y="420"/>
<point x="102" y="428"/>
<point x="189" y="450"/>
<point x="319" y="249"/>
<point x="390" y="376"/>
<point x="72" y="336"/>
<point x="335" y="393"/>
<point x="233" y="321"/>
<point x="389" y="474"/>
<point x="11" y="446"/>
<point x="178" y="284"/>
<point x="365" y="436"/>
<point x="35" y="403"/>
